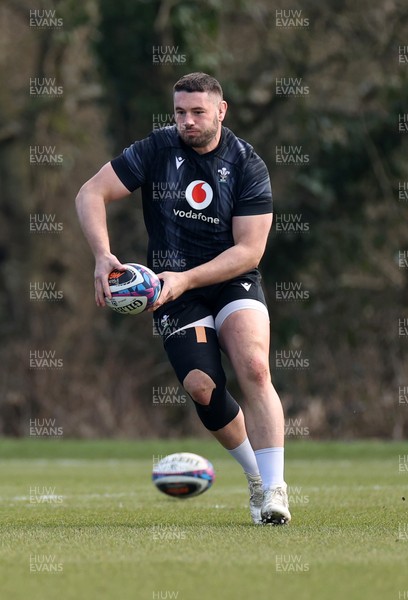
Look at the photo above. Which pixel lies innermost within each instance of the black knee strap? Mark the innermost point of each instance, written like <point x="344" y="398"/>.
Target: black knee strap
<point x="186" y="353"/>
<point x="221" y="410"/>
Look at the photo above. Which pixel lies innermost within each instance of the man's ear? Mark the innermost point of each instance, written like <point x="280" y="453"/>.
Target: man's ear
<point x="222" y="109"/>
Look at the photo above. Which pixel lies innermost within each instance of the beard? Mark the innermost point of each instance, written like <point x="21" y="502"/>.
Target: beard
<point x="202" y="139"/>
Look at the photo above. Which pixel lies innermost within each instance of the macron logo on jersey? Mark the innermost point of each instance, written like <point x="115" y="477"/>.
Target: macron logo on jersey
<point x="246" y="286"/>
<point x="179" y="161"/>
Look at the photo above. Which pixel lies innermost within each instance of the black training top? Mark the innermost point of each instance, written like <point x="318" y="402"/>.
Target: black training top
<point x="189" y="199"/>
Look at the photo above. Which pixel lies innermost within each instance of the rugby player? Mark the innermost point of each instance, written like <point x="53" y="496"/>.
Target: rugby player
<point x="213" y="226"/>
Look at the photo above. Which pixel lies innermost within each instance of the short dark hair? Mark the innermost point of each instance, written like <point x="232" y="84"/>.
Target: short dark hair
<point x="198" y="82"/>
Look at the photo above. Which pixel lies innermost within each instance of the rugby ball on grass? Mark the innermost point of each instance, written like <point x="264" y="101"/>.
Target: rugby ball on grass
<point x="183" y="475"/>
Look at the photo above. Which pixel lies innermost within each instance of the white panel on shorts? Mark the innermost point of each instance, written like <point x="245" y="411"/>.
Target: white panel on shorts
<point x="232" y="307"/>
<point x="204" y="322"/>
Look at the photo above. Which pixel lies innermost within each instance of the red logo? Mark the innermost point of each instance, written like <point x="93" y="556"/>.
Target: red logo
<point x="199" y="194"/>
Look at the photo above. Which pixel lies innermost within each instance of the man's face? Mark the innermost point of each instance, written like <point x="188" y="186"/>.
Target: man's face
<point x="198" y="118"/>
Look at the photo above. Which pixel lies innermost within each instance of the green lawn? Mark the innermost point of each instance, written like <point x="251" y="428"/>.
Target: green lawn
<point x="82" y="520"/>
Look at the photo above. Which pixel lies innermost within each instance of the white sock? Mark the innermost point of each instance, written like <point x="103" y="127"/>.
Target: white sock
<point x="270" y="462"/>
<point x="246" y="457"/>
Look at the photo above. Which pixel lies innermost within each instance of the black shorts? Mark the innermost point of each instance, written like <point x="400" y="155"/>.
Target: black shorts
<point x="209" y="306"/>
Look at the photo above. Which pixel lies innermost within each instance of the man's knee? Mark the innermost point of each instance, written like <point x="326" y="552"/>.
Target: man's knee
<point x="215" y="406"/>
<point x="200" y="386"/>
<point x="256" y="370"/>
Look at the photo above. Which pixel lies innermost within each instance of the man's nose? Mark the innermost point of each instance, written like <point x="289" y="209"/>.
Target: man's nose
<point x="188" y="120"/>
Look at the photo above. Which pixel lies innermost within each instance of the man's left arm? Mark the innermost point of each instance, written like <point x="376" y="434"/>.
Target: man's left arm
<point x="250" y="234"/>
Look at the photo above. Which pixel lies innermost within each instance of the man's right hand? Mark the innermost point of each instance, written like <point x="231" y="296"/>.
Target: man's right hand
<point x="103" y="266"/>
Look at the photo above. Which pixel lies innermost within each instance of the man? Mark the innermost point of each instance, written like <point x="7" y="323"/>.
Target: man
<point x="215" y="221"/>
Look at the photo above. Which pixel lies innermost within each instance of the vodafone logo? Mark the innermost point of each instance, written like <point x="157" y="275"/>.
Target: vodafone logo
<point x="199" y="194"/>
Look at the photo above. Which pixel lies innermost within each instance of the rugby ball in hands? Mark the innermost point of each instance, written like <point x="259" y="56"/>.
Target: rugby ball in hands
<point x="133" y="290"/>
<point x="183" y="475"/>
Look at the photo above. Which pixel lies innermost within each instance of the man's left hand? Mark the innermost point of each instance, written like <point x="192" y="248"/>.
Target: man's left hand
<point x="174" y="284"/>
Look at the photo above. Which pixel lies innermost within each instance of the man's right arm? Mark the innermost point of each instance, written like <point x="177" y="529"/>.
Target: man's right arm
<point x="91" y="201"/>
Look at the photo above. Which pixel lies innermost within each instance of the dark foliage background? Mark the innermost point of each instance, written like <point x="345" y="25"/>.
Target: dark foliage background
<point x="346" y="195"/>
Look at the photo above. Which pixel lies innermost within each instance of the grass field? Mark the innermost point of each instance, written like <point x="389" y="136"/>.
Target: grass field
<point x="82" y="520"/>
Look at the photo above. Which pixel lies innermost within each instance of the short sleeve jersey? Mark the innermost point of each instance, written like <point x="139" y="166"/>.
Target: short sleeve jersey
<point x="189" y="199"/>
